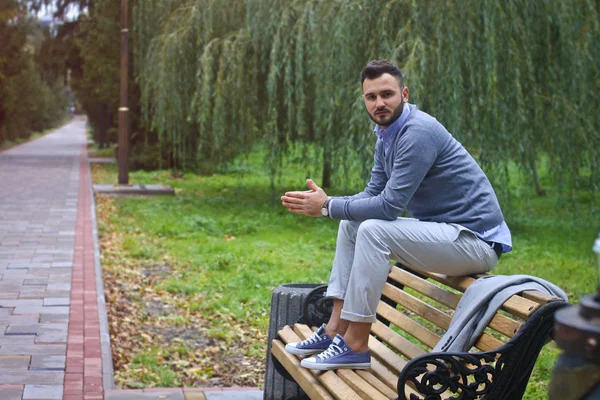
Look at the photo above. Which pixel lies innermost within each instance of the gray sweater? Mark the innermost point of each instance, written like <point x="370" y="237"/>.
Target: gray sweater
<point x="480" y="303"/>
<point x="428" y="173"/>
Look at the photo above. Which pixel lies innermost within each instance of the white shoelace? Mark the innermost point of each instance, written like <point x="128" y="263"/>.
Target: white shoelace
<point x="313" y="339"/>
<point x="331" y="351"/>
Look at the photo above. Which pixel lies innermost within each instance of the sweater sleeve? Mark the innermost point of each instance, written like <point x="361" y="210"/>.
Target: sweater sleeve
<point x="416" y="152"/>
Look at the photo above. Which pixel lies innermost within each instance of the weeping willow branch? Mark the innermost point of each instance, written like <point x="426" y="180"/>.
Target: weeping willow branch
<point x="513" y="80"/>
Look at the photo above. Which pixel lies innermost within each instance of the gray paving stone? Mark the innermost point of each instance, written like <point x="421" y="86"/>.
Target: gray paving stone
<point x="48" y="362"/>
<point x="62" y="264"/>
<point x="231" y="395"/>
<point x="35" y="281"/>
<point x="40" y="310"/>
<point x="30" y="329"/>
<point x="20" y="319"/>
<point x="52" y="333"/>
<point x="59" y="278"/>
<point x="59" y="286"/>
<point x="57" y="293"/>
<point x="36" y="292"/>
<point x="14" y="363"/>
<point x="11" y="393"/>
<point x="54" y="318"/>
<point x="5" y="312"/>
<point x="16" y="340"/>
<point x="145" y="396"/>
<point x="12" y="281"/>
<point x="21" y="303"/>
<point x="45" y="392"/>
<point x="29" y="349"/>
<point x="57" y="301"/>
<point x="32" y="377"/>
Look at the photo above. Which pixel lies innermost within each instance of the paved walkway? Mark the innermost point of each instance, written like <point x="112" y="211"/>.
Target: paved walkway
<point x="53" y="338"/>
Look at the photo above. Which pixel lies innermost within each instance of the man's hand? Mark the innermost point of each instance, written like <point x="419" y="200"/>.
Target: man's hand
<point x="308" y="202"/>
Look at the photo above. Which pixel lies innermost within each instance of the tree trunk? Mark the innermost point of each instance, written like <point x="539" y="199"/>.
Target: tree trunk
<point x="536" y="180"/>
<point x="101" y="137"/>
<point x="326" y="181"/>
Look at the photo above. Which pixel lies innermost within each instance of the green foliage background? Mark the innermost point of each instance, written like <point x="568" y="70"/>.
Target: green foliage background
<point x="33" y="95"/>
<point x="512" y="80"/>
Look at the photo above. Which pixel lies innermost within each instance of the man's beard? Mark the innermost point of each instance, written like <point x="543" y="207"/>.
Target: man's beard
<point x="388" y="121"/>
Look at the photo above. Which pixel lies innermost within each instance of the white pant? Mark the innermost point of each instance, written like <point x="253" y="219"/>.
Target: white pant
<point x="364" y="250"/>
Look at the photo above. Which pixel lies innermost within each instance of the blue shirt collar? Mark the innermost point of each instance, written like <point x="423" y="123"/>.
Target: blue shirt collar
<point x="395" y="126"/>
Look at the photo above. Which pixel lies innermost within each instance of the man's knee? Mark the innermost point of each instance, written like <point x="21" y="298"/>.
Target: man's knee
<point x="349" y="228"/>
<point x="372" y="228"/>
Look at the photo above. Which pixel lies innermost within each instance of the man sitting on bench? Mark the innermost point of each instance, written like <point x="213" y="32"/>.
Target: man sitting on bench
<point x="458" y="227"/>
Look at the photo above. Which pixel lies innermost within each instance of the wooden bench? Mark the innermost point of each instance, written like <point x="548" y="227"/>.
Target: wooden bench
<point x="413" y="314"/>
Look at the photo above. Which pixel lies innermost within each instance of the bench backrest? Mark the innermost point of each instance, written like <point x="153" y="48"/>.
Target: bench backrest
<point x="423" y="313"/>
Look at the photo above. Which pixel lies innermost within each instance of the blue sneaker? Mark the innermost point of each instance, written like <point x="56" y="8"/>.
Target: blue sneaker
<point x="338" y="355"/>
<point x="318" y="342"/>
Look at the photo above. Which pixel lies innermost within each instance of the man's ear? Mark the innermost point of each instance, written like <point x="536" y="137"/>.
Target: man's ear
<point x="405" y="94"/>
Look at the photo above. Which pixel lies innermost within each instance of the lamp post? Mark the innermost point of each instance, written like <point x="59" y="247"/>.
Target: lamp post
<point x="576" y="375"/>
<point x="123" y="104"/>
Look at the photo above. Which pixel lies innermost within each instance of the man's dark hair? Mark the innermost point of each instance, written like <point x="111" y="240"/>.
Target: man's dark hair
<point x="375" y="68"/>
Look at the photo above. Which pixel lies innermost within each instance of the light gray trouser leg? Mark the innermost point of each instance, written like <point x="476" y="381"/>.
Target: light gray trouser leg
<point x="364" y="249"/>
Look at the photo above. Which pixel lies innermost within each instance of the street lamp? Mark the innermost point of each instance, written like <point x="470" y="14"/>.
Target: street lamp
<point x="123" y="104"/>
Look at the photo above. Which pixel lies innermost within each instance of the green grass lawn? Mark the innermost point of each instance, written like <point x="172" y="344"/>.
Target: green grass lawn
<point x="228" y="243"/>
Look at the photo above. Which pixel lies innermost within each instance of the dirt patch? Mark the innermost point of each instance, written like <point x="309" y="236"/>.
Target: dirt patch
<point x="192" y="337"/>
<point x="157" y="308"/>
<point x="156" y="271"/>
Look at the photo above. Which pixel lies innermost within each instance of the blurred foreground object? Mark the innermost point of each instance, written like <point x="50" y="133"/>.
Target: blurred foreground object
<point x="576" y="374"/>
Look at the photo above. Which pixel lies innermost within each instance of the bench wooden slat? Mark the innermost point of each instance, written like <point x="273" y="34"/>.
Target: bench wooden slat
<point x="417" y="306"/>
<point x="387" y="377"/>
<point x="424" y="287"/>
<point x="376" y="383"/>
<point x="499" y="323"/>
<point x="361" y="386"/>
<point x="504" y="325"/>
<point x="540" y="297"/>
<point x="487" y="342"/>
<point x="516" y="305"/>
<point x="302" y="376"/>
<point x="382" y="372"/>
<point x="401" y="344"/>
<point x="408" y="325"/>
<point x="390" y="359"/>
<point x="334" y="384"/>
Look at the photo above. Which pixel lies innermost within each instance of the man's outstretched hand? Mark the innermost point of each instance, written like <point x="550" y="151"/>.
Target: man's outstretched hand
<point x="308" y="202"/>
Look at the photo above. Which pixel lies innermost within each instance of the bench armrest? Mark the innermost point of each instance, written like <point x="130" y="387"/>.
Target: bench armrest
<point x="504" y="371"/>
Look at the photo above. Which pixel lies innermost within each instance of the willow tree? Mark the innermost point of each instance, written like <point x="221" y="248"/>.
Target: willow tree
<point x="197" y="77"/>
<point x="515" y="82"/>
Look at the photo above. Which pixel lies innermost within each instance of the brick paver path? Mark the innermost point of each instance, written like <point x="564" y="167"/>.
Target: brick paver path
<point x="48" y="312"/>
<point x="51" y="339"/>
